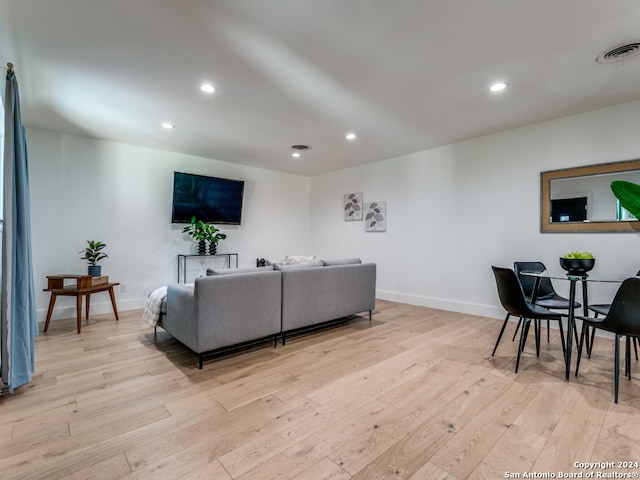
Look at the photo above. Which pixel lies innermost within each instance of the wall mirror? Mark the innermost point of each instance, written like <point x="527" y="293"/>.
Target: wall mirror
<point x="580" y="199"/>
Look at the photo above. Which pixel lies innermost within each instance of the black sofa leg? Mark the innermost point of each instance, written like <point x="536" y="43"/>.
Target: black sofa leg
<point x="200" y="360"/>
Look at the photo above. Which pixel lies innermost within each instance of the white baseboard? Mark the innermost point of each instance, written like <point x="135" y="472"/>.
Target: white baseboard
<point x="463" y="307"/>
<point x="442" y="304"/>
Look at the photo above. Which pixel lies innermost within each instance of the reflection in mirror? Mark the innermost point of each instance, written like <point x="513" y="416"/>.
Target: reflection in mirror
<point x="590" y="198"/>
<point x="580" y="199"/>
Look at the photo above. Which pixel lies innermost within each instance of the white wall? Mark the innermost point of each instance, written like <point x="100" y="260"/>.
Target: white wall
<point x="454" y="211"/>
<point x="86" y="189"/>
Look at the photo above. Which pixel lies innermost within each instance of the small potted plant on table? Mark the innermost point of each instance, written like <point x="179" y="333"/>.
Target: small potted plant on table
<point x="203" y="233"/>
<point x="213" y="237"/>
<point x="93" y="254"/>
<point x="196" y="230"/>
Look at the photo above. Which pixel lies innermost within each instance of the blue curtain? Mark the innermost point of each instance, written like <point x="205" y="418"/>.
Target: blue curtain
<point x="19" y="324"/>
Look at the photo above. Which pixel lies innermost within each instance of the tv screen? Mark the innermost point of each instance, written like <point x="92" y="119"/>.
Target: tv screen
<point x="210" y="199"/>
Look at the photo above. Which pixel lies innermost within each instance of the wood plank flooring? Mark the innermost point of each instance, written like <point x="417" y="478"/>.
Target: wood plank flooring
<point x="415" y="394"/>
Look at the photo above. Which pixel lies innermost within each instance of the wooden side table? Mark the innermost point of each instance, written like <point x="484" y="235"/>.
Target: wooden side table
<point x="83" y="287"/>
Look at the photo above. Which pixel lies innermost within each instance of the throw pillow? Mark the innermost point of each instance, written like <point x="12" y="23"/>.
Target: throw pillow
<point x="296" y="259"/>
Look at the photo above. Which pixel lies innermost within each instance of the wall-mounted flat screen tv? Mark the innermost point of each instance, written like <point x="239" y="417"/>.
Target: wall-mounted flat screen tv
<point x="210" y="199"/>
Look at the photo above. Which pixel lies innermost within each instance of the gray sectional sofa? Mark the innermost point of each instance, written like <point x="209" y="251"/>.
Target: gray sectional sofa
<point x="234" y="307"/>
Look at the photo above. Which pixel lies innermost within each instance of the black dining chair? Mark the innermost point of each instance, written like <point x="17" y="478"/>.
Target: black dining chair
<point x="603" y="309"/>
<point x="513" y="300"/>
<point x="623" y="319"/>
<point x="547" y="296"/>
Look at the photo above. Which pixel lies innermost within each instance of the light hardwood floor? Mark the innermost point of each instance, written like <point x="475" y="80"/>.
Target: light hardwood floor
<point x="415" y="394"/>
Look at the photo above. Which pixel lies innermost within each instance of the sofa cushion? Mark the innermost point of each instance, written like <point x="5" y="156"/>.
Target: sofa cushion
<point x="295" y="266"/>
<point x="232" y="271"/>
<point x="342" y="261"/>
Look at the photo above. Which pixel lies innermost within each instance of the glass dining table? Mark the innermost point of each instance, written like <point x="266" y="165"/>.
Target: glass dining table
<point x="573" y="279"/>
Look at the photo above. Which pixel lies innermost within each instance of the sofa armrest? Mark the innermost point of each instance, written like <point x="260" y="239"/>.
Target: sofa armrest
<point x="181" y="316"/>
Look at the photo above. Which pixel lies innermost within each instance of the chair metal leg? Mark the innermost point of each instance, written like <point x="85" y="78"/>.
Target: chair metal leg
<point x="548" y="334"/>
<point x="580" y="344"/>
<point x="536" y="326"/>
<point x="504" y="325"/>
<point x="575" y="332"/>
<point x="564" y="348"/>
<point x="590" y="343"/>
<point x="523" y="338"/>
<point x="635" y="346"/>
<point x="526" y="325"/>
<point x="616" y="369"/>
<point x="627" y="357"/>
<point x="517" y="328"/>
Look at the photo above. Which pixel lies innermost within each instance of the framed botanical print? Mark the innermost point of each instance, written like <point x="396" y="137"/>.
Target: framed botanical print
<point x="375" y="217"/>
<point x="353" y="206"/>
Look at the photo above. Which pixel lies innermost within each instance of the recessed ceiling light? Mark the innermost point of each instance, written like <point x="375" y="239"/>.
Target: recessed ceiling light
<point x="168" y="125"/>
<point x="296" y="155"/>
<point x="207" y="88"/>
<point x="498" y="87"/>
<point x="350" y="136"/>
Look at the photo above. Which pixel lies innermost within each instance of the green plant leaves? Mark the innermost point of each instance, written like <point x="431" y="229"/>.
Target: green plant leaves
<point x="92" y="253"/>
<point x="200" y="231"/>
<point x="629" y="195"/>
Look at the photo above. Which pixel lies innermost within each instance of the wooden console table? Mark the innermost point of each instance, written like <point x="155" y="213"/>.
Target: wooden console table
<point x="83" y="287"/>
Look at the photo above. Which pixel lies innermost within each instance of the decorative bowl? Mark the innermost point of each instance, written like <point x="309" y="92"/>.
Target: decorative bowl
<point x="577" y="266"/>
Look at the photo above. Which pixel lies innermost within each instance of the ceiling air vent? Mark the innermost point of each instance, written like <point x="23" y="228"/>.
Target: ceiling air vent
<point x="619" y="53"/>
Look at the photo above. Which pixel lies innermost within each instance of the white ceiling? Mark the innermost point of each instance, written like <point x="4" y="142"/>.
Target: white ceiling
<point x="406" y="75"/>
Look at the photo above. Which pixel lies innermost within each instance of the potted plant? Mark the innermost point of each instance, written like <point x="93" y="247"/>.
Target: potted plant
<point x="213" y="237"/>
<point x="202" y="233"/>
<point x="197" y="230"/>
<point x="93" y="254"/>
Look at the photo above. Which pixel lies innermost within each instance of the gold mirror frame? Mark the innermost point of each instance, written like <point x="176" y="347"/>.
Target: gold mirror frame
<point x="546" y="226"/>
